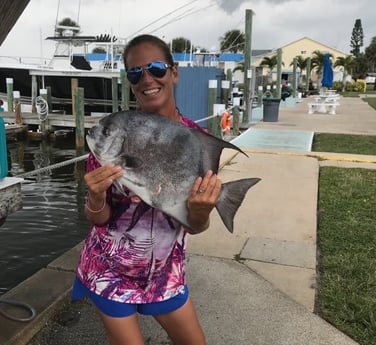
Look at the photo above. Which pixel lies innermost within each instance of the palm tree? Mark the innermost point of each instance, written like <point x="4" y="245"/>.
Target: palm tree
<point x="317" y="62"/>
<point x="239" y="67"/>
<point x="348" y="63"/>
<point x="270" y="62"/>
<point x="301" y="63"/>
<point x="233" y="41"/>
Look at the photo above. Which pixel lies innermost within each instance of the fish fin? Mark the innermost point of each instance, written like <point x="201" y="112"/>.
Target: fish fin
<point x="213" y="149"/>
<point x="119" y="187"/>
<point x="230" y="199"/>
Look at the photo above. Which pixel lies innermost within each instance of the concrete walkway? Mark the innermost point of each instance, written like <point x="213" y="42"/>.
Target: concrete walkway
<point x="253" y="287"/>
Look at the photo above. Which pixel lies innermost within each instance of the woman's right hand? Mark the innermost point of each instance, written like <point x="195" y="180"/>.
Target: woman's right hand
<point x="99" y="180"/>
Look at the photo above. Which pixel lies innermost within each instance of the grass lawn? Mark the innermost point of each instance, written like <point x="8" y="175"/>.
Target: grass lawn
<point x="344" y="143"/>
<point x="347" y="238"/>
<point x="371" y="101"/>
<point x="347" y="251"/>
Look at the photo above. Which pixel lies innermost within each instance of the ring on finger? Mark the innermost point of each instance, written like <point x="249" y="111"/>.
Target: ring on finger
<point x="201" y="190"/>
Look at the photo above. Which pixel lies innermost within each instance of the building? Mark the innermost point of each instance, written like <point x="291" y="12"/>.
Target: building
<point x="305" y="48"/>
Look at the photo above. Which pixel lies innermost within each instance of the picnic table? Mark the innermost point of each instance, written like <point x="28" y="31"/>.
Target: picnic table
<point x="325" y="102"/>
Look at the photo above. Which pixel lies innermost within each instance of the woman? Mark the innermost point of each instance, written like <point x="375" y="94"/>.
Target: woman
<point x="133" y="260"/>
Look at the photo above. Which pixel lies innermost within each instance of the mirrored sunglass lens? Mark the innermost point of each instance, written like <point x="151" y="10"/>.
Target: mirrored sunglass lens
<point x="157" y="69"/>
<point x="134" y="75"/>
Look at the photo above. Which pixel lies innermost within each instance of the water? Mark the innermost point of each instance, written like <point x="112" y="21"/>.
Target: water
<point x="51" y="220"/>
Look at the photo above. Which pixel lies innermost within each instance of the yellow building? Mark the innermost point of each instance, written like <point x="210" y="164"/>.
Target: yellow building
<point x="304" y="47"/>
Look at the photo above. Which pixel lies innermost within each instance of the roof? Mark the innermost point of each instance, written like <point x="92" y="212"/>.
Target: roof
<point x="10" y="11"/>
<point x="312" y="40"/>
<point x="221" y="57"/>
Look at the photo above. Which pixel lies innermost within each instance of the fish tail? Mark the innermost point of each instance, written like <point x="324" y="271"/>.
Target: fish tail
<point x="230" y="199"/>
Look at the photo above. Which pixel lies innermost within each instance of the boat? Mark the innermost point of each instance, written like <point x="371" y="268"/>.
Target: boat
<point x="15" y="131"/>
<point x="74" y="57"/>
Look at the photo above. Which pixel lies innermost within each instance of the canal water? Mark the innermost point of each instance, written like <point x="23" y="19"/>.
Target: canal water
<point x="51" y="220"/>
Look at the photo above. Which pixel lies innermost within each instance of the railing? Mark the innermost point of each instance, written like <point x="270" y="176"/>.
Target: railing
<point x="25" y="60"/>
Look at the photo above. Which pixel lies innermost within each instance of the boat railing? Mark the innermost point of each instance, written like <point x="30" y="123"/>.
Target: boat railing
<point x="25" y="60"/>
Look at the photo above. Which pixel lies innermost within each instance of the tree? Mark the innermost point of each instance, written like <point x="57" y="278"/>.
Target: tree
<point x="239" y="67"/>
<point x="348" y="63"/>
<point x="270" y="62"/>
<point x="301" y="63"/>
<point x="361" y="67"/>
<point x="69" y="23"/>
<point x="233" y="41"/>
<point x="317" y="62"/>
<point x="370" y="54"/>
<point x="357" y="36"/>
<point x="180" y="45"/>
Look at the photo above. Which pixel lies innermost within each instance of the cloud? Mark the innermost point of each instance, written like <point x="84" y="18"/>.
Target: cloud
<point x="229" y="6"/>
<point x="275" y="22"/>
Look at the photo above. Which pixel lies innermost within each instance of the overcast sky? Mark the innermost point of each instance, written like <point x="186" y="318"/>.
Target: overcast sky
<point x="275" y="22"/>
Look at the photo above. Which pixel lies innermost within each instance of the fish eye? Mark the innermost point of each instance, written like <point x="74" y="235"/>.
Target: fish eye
<point x="106" y="131"/>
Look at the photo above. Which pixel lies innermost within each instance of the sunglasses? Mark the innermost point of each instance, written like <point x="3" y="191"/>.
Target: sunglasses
<point x="157" y="69"/>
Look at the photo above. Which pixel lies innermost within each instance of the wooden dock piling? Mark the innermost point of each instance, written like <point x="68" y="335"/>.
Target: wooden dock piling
<point x="9" y="82"/>
<point x="74" y="86"/>
<point x="43" y="125"/>
<point x="124" y="91"/>
<point x="34" y="93"/>
<point x="80" y="117"/>
<point x="212" y="97"/>
<point x="115" y="100"/>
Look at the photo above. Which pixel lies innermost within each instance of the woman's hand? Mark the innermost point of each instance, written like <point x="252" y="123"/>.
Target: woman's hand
<point x="202" y="200"/>
<point x="98" y="181"/>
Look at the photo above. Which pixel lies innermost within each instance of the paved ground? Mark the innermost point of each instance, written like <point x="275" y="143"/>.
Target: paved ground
<point x="253" y="287"/>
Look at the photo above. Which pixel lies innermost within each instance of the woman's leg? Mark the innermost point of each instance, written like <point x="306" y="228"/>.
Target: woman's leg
<point x="182" y="325"/>
<point x="122" y="330"/>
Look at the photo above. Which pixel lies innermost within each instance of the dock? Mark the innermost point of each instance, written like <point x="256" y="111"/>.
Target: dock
<point x="52" y="121"/>
<point x="10" y="197"/>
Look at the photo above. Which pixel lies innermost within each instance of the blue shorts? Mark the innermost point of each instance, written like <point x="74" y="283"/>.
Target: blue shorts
<point x="119" y="309"/>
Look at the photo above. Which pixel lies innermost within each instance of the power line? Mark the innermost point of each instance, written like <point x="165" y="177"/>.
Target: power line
<point x="160" y="18"/>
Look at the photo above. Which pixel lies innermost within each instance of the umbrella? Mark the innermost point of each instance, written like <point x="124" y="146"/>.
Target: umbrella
<point x="327" y="74"/>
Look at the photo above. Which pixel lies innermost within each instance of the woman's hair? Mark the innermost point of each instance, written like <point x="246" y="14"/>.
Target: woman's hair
<point x="162" y="45"/>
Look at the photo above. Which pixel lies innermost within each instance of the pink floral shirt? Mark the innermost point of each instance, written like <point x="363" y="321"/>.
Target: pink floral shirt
<point x="139" y="255"/>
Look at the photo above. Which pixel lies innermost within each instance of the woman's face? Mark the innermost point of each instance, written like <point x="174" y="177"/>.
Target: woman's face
<point x="153" y="94"/>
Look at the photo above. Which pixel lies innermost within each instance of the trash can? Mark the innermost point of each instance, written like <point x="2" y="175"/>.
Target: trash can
<point x="270" y="109"/>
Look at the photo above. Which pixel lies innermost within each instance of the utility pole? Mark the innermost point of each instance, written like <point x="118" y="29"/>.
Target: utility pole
<point x="247" y="66"/>
<point x="279" y="73"/>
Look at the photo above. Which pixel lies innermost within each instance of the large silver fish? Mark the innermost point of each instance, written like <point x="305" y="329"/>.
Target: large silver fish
<point x="162" y="159"/>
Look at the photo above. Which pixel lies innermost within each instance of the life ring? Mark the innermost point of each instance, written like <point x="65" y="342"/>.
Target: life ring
<point x="226" y="122"/>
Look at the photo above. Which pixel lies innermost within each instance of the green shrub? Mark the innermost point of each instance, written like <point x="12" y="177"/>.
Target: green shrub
<point x="337" y="85"/>
<point x="359" y="86"/>
<point x="349" y="86"/>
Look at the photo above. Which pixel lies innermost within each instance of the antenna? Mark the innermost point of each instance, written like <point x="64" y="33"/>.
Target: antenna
<point x="78" y="13"/>
<point x="57" y="13"/>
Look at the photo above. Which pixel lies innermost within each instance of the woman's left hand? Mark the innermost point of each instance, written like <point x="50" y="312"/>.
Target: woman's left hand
<point x="202" y="200"/>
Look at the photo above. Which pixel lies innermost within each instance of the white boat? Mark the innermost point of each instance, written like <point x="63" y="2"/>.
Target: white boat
<point x="73" y="58"/>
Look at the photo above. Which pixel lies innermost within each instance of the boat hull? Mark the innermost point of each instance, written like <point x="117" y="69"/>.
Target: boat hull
<point x="97" y="90"/>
